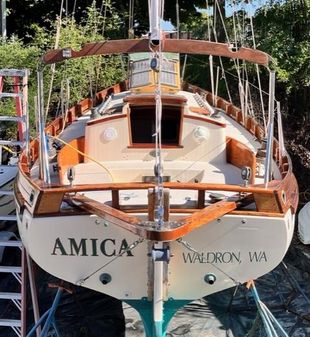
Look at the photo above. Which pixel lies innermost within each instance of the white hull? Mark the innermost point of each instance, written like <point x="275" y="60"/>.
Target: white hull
<point x="234" y="249"/>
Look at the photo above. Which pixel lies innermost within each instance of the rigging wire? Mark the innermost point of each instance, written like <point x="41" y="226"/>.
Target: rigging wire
<point x="131" y="19"/>
<point x="208" y="21"/>
<point x="211" y="27"/>
<point x="53" y="66"/>
<point x="74" y="9"/>
<point x="258" y="77"/>
<point x="106" y="4"/>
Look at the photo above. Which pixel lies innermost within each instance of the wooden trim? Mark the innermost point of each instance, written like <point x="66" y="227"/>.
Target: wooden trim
<point x="105" y="119"/>
<point x="267" y="203"/>
<point x="50" y="198"/>
<point x="115" y="199"/>
<point x="199" y="110"/>
<point x="205" y="119"/>
<point x="238" y="154"/>
<point x="201" y="199"/>
<point x="255" y="213"/>
<point x="67" y="157"/>
<point x="152" y="146"/>
<point x="205" y="216"/>
<point x="142" y="100"/>
<point x="195" y="47"/>
<point x="133" y="224"/>
<point x="143" y="209"/>
<point x="48" y="203"/>
<point x="50" y="189"/>
<point x="108" y="213"/>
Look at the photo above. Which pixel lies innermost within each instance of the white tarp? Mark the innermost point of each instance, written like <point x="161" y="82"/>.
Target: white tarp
<point x="304" y="224"/>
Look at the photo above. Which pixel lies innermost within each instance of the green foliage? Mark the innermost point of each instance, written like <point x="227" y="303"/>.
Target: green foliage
<point x="86" y="75"/>
<point x="283" y="30"/>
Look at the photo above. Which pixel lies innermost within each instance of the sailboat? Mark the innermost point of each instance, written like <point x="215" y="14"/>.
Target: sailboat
<point x="161" y="192"/>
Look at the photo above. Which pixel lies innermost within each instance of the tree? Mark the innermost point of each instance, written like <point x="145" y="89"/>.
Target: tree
<point x="24" y="13"/>
<point x="283" y="30"/>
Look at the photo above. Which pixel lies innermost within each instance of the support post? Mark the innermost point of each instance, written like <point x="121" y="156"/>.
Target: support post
<point x="43" y="158"/>
<point x="33" y="292"/>
<point x="269" y="152"/>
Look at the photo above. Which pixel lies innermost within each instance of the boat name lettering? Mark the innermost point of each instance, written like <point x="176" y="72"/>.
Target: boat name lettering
<point x="257" y="256"/>
<point x="224" y="257"/>
<point x="91" y="247"/>
<point x="212" y="257"/>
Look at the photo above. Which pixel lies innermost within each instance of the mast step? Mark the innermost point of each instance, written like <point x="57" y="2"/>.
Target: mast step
<point x="11" y="322"/>
<point x="11" y="142"/>
<point x="11" y="243"/>
<point x="10" y="296"/>
<point x="10" y="269"/>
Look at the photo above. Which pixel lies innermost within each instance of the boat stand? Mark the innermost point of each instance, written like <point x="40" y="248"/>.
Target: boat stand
<point x="49" y="318"/>
<point x="272" y="327"/>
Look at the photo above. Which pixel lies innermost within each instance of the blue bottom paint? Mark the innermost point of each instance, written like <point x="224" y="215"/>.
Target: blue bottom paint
<point x="145" y="309"/>
<point x="158" y="329"/>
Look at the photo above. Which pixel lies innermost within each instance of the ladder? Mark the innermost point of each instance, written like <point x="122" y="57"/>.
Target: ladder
<point x="16" y="278"/>
<point x="15" y="84"/>
<point x="18" y="80"/>
<point x="21" y="274"/>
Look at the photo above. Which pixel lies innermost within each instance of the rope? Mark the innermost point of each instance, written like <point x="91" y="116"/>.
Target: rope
<point x="9" y="150"/>
<point x="269" y="321"/>
<point x="128" y="249"/>
<point x="74" y="8"/>
<point x="208" y="21"/>
<point x="130" y="19"/>
<point x="189" y="247"/>
<point x="212" y="78"/>
<point x="216" y="40"/>
<point x="280" y="131"/>
<point x="217" y="80"/>
<point x="294" y="282"/>
<point x="258" y="78"/>
<point x="53" y="66"/>
<point x="223" y="22"/>
<point x="83" y="154"/>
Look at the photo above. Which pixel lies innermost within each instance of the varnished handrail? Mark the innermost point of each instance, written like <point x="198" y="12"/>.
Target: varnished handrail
<point x="134" y="225"/>
<point x="169" y="45"/>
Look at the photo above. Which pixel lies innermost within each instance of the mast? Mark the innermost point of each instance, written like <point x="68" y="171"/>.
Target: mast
<point x="159" y="249"/>
<point x="155" y="16"/>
